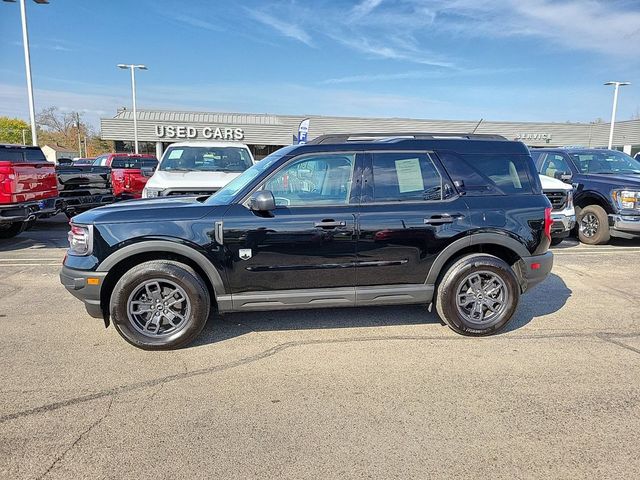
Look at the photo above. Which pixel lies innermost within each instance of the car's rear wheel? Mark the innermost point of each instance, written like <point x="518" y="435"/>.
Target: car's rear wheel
<point x="10" y="230"/>
<point x="160" y="305"/>
<point x="593" y="225"/>
<point x="478" y="295"/>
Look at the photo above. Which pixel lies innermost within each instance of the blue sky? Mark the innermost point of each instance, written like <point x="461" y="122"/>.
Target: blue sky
<point x="523" y="60"/>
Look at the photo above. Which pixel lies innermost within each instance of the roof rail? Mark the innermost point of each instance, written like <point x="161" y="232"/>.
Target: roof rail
<point x="398" y="136"/>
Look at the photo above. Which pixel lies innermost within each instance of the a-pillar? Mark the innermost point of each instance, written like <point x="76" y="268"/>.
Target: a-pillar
<point x="159" y="150"/>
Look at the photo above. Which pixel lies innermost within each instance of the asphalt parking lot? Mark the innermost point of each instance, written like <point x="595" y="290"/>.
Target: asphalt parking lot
<point x="376" y="392"/>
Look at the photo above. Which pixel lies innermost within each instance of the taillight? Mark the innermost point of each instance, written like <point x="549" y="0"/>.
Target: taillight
<point x="547" y="223"/>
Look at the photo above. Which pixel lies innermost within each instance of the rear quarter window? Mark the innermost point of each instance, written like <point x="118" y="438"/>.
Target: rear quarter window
<point x="492" y="174"/>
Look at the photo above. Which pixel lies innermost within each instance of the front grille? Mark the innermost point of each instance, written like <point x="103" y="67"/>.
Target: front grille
<point x="190" y="192"/>
<point x="558" y="199"/>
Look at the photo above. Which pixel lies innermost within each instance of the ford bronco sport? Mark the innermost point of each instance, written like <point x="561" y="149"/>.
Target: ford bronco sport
<point x="455" y="222"/>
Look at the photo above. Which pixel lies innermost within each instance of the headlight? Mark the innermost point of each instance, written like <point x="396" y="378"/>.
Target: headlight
<point x="81" y="240"/>
<point x="152" y="192"/>
<point x="570" y="199"/>
<point x="627" y="199"/>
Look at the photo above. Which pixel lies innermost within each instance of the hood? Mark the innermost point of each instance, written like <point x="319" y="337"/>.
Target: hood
<point x="191" y="180"/>
<point x="550" y="183"/>
<point x="161" y="209"/>
<point x="630" y="181"/>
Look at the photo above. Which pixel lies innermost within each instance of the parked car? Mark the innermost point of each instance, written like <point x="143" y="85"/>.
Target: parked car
<point x="83" y="187"/>
<point x="198" y="168"/>
<point x="129" y="173"/>
<point x="563" y="212"/>
<point x="27" y="188"/>
<point x="84" y="161"/>
<point x="459" y="223"/>
<point x="606" y="189"/>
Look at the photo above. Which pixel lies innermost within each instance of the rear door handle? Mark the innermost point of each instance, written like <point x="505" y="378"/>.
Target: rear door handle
<point x="442" y="219"/>
<point x="330" y="224"/>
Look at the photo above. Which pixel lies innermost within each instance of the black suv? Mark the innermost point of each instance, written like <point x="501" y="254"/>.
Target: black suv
<point x="606" y="189"/>
<point x="459" y="222"/>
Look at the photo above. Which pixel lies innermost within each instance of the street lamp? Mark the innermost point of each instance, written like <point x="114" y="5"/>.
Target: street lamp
<point x="133" y="67"/>
<point x="27" y="63"/>
<point x="615" y="106"/>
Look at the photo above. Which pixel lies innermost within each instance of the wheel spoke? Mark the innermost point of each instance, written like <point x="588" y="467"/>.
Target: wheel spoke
<point x="158" y="307"/>
<point x="481" y="297"/>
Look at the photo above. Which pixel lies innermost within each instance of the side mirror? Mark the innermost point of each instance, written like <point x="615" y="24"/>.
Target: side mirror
<point x="148" y="171"/>
<point x="262" y="201"/>
<point x="565" y="177"/>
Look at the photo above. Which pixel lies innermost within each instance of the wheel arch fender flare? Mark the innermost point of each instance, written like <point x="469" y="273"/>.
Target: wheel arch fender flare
<point x="166" y="247"/>
<point x="475" y="239"/>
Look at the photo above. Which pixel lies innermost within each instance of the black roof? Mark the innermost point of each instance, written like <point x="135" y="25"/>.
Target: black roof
<point x="456" y="142"/>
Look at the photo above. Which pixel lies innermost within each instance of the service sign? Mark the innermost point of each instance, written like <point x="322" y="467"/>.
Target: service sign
<point x="543" y="137"/>
<point x="190" y="132"/>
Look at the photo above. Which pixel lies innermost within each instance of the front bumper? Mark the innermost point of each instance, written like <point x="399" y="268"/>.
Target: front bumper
<point x="535" y="269"/>
<point x="78" y="284"/>
<point x="562" y="224"/>
<point x="624" y="225"/>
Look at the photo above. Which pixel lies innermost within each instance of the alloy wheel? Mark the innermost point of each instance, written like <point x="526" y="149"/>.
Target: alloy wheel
<point x="589" y="225"/>
<point x="158" y="308"/>
<point x="482" y="297"/>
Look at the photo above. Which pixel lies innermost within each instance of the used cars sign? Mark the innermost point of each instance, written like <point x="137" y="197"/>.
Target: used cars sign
<point x="210" y="133"/>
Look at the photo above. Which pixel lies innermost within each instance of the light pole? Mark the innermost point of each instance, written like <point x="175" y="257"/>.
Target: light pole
<point x="615" y="106"/>
<point x="27" y="63"/>
<point x="133" y="67"/>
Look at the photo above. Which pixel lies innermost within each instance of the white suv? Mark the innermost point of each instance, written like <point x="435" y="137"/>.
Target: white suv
<point x="563" y="212"/>
<point x="198" y="168"/>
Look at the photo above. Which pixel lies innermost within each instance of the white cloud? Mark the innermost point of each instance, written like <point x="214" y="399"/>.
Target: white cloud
<point x="365" y="7"/>
<point x="284" y="27"/>
<point x="197" y="22"/>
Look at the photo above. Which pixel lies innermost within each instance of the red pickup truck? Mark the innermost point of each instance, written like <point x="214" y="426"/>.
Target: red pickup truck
<point x="129" y="172"/>
<point x="28" y="188"/>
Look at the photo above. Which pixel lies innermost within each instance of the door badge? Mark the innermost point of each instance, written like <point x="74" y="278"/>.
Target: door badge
<point x="245" y="253"/>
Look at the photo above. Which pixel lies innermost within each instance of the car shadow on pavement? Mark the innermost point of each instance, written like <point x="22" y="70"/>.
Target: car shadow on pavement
<point x="547" y="298"/>
<point x="45" y="233"/>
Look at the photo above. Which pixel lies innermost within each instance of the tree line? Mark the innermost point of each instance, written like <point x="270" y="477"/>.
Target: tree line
<point x="65" y="129"/>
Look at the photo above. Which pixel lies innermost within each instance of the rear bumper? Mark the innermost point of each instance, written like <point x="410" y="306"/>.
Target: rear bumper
<point x="18" y="212"/>
<point x="77" y="283"/>
<point x="86" y="202"/>
<point x="535" y="269"/>
<point x="624" y="225"/>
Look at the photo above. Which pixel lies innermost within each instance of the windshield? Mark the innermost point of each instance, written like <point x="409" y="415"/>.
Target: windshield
<point x="605" y="162"/>
<point x="231" y="189"/>
<point x="206" y="159"/>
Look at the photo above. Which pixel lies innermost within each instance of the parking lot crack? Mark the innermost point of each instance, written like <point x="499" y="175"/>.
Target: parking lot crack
<point x="610" y="339"/>
<point x="78" y="439"/>
<point x="284" y="346"/>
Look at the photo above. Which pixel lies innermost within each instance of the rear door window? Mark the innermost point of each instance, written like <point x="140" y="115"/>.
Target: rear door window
<point x="554" y="165"/>
<point x="405" y="177"/>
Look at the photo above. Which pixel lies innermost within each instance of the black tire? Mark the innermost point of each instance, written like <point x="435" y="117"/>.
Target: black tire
<point x="593" y="225"/>
<point x="452" y="281"/>
<point x="183" y="276"/>
<point x="556" y="241"/>
<point x="12" y="229"/>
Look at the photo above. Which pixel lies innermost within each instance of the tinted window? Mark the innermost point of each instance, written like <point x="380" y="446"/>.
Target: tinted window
<point x="13" y="155"/>
<point x="101" y="160"/>
<point x="399" y="176"/>
<point x="554" y="164"/>
<point x="133" y="162"/>
<point x="491" y="174"/>
<point x="34" y="155"/>
<point x="314" y="180"/>
<point x="19" y="155"/>
<point x="206" y="159"/>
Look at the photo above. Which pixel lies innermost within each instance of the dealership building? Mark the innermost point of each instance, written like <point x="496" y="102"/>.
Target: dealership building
<point x="265" y="133"/>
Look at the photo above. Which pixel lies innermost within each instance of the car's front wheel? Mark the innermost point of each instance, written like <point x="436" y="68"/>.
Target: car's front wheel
<point x="478" y="295"/>
<point x="160" y="305"/>
<point x="593" y="225"/>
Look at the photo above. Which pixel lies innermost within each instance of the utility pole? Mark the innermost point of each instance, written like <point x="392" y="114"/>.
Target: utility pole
<point x="79" y="139"/>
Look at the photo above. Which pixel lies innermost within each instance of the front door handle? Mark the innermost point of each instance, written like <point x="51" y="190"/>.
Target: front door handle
<point x="442" y="219"/>
<point x="330" y="224"/>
